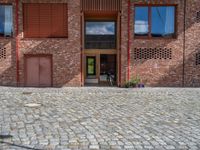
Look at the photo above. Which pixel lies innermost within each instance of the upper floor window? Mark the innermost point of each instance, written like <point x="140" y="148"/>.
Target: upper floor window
<point x="100" y="35"/>
<point x="154" y="21"/>
<point x="6" y="20"/>
<point x="44" y="20"/>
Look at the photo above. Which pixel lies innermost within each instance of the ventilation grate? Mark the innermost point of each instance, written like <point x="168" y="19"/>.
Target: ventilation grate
<point x="198" y="58"/>
<point x="198" y="16"/>
<point x="2" y="53"/>
<point x="152" y="53"/>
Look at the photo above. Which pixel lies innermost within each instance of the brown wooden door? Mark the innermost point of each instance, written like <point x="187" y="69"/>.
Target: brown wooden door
<point x="32" y="71"/>
<point x="45" y="71"/>
<point x="38" y="71"/>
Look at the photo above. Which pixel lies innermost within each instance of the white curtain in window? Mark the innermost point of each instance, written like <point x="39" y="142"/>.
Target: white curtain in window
<point x="169" y="22"/>
<point x="8" y="21"/>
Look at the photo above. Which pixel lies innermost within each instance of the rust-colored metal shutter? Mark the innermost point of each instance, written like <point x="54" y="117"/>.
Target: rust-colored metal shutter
<point x="59" y="20"/>
<point x="31" y="20"/>
<point x="45" y="20"/>
<point x="32" y="71"/>
<point x="45" y="71"/>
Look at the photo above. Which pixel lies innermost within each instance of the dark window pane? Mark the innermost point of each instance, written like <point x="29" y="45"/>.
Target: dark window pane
<point x="141" y="21"/>
<point x="2" y="19"/>
<point x="163" y="21"/>
<point x="6" y="20"/>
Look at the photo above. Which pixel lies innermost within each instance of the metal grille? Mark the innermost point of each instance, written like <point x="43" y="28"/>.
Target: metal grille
<point x="198" y="58"/>
<point x="101" y="5"/>
<point x="100" y="42"/>
<point x="2" y="53"/>
<point x="198" y="16"/>
<point x="152" y="53"/>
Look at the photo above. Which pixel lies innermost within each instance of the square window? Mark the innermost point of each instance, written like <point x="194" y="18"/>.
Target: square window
<point x="100" y="34"/>
<point x="6" y="20"/>
<point x="154" y="21"/>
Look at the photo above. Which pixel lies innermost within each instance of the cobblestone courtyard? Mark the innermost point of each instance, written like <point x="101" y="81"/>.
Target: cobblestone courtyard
<point x="99" y="118"/>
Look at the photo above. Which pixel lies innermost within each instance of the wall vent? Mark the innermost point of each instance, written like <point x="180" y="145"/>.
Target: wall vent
<point x="2" y="53"/>
<point x="198" y="58"/>
<point x="198" y="16"/>
<point x="152" y="53"/>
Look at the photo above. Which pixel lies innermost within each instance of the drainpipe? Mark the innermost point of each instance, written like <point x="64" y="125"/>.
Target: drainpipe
<point x="184" y="46"/>
<point x="81" y="49"/>
<point x="128" y="43"/>
<point x="17" y="40"/>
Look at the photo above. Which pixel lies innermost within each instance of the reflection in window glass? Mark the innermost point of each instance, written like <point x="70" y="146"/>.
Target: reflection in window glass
<point x="141" y="21"/>
<point x="162" y="21"/>
<point x="100" y="28"/>
<point x="6" y="20"/>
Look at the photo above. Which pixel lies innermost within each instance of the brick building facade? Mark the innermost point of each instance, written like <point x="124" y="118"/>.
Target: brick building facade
<point x="158" y="61"/>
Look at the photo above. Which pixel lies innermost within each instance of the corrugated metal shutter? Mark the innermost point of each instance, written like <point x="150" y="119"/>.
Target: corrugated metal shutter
<point x="44" y="20"/>
<point x="31" y="20"/>
<point x="59" y="24"/>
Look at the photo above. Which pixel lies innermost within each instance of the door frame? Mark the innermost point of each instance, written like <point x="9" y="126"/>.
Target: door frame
<point x="26" y="56"/>
<point x="96" y="53"/>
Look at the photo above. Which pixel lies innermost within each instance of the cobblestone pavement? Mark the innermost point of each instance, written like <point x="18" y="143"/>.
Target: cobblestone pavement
<point x="99" y="118"/>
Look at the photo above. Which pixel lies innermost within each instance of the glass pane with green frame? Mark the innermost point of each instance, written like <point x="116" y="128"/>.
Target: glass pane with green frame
<point x="91" y="65"/>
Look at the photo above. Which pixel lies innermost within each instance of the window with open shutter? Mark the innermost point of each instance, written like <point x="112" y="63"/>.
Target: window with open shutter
<point x="45" y="20"/>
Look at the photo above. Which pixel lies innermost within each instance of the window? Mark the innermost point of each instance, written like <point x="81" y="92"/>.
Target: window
<point x="141" y="21"/>
<point x="155" y="21"/>
<point x="100" y="35"/>
<point x="6" y="20"/>
<point x="45" y="20"/>
<point x="91" y="65"/>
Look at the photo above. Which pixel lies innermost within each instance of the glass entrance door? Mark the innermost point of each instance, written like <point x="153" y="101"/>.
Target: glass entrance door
<point x="107" y="66"/>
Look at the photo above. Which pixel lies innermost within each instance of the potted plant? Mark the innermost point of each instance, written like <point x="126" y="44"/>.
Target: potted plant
<point x="133" y="82"/>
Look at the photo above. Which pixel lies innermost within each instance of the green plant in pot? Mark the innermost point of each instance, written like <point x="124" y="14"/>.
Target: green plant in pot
<point x="133" y="82"/>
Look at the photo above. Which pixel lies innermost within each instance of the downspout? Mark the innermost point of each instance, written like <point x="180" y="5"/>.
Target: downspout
<point x="184" y="40"/>
<point x="128" y="43"/>
<point x="81" y="59"/>
<point x="120" y="57"/>
<point x="17" y="40"/>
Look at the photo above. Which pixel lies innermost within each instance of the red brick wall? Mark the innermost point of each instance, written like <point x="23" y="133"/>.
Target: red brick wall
<point x="7" y="66"/>
<point x="66" y="52"/>
<point x="159" y="72"/>
<point x="192" y="71"/>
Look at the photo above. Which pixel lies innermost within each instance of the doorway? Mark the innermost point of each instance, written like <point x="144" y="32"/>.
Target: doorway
<point x="38" y="70"/>
<point x="97" y="66"/>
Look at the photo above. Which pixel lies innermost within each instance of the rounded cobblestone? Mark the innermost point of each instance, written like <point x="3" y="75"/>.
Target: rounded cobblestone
<point x="100" y="118"/>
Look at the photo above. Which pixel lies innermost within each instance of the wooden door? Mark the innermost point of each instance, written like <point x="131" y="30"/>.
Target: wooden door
<point x="38" y="71"/>
<point x="32" y="71"/>
<point x="45" y="71"/>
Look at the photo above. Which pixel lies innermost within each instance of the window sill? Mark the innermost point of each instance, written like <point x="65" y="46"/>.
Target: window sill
<point x="6" y="38"/>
